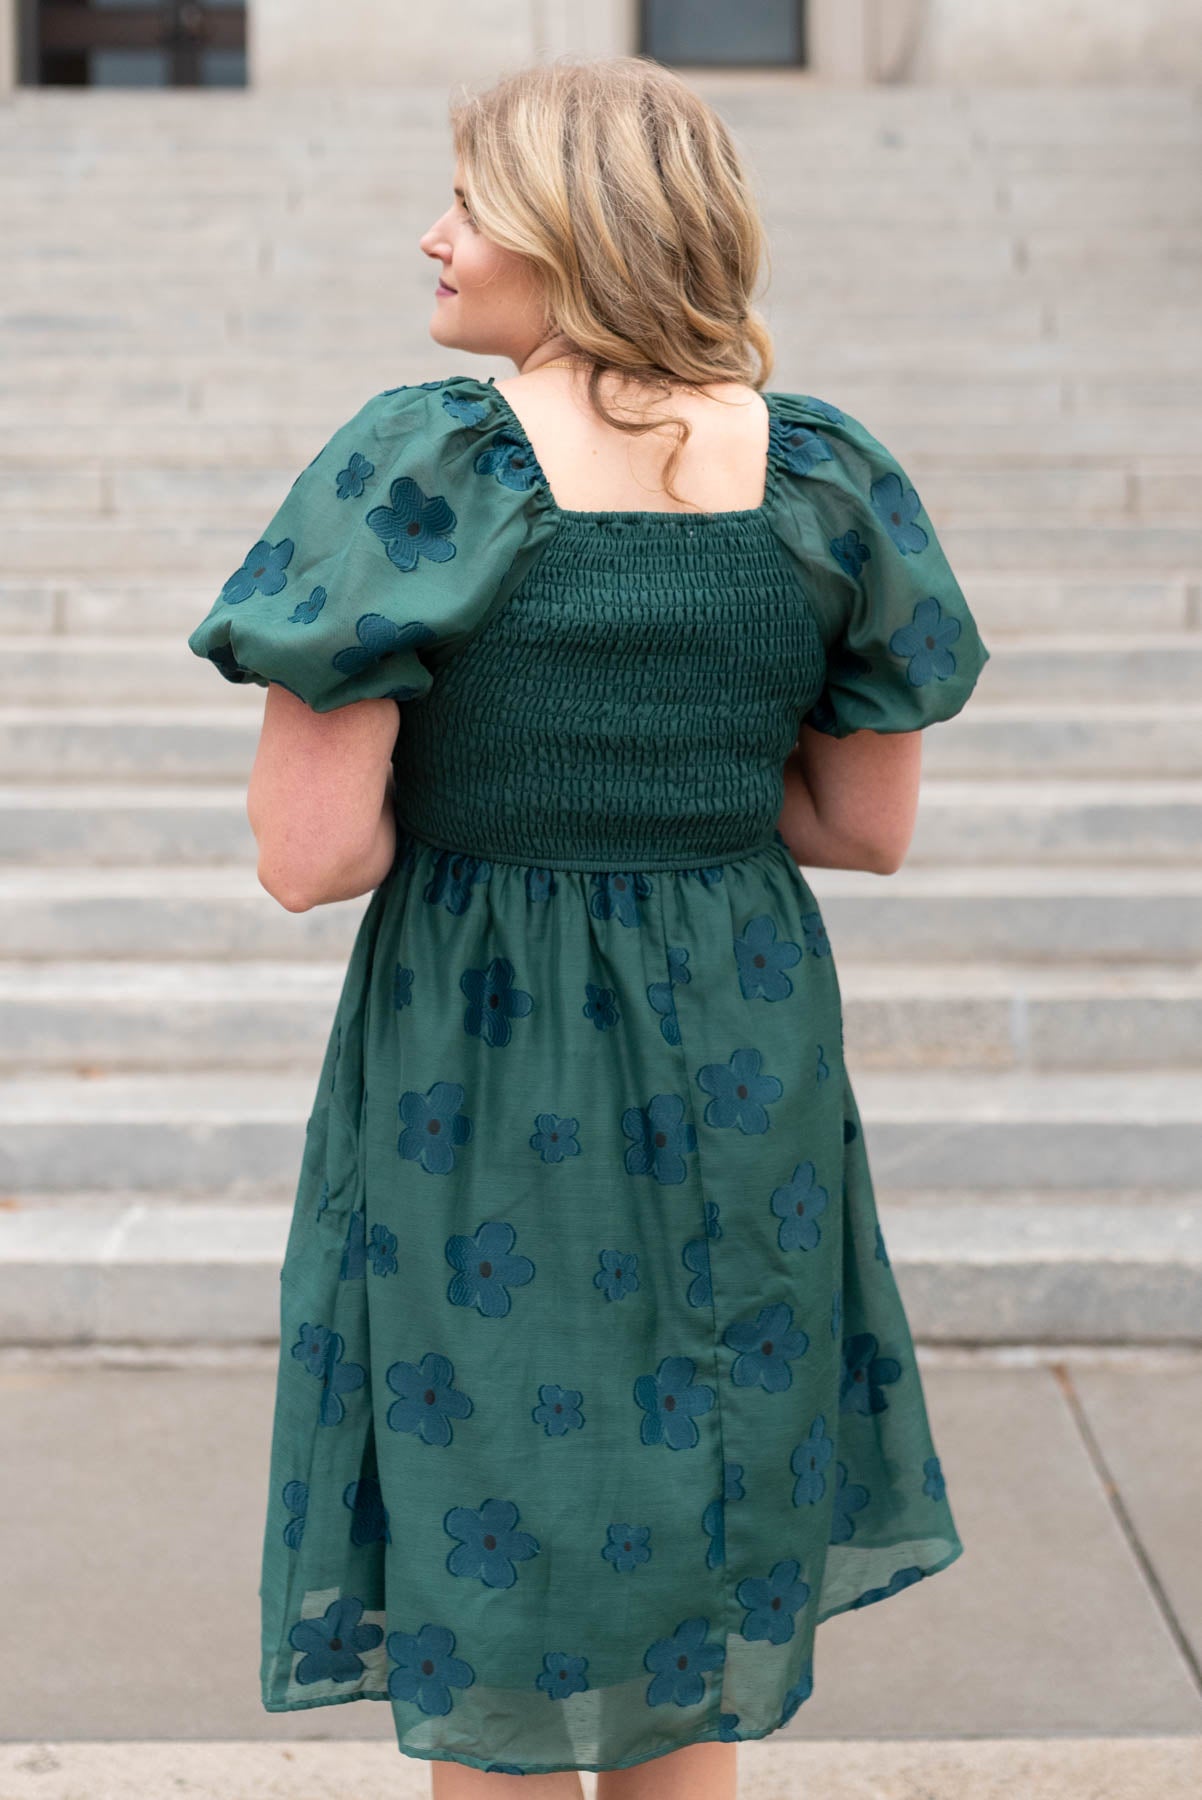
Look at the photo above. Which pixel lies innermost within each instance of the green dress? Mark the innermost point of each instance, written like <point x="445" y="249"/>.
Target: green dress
<point x="595" y="1391"/>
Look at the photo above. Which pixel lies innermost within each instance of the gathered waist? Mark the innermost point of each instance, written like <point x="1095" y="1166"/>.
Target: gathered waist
<point x="597" y="854"/>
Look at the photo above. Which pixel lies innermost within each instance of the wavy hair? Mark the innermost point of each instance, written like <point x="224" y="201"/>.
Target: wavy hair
<point x="625" y="191"/>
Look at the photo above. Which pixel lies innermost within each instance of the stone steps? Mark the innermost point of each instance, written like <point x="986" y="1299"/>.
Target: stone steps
<point x="1009" y="605"/>
<point x="1073" y="915"/>
<point x="141" y="1015"/>
<point x="959" y="822"/>
<point x="991" y="741"/>
<point x="220" y="1132"/>
<point x="1157" y="667"/>
<point x="165" y="1269"/>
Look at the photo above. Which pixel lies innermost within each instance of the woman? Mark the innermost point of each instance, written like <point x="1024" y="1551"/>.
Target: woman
<point x="595" y="1394"/>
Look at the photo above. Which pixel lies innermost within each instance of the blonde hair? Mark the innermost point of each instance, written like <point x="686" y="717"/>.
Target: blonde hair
<point x="627" y="194"/>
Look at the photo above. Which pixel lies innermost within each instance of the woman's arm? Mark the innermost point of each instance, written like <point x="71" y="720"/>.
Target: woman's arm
<point x="851" y="802"/>
<point x="320" y="799"/>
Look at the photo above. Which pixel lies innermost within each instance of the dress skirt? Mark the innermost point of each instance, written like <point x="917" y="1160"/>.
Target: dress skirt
<point x="596" y="1394"/>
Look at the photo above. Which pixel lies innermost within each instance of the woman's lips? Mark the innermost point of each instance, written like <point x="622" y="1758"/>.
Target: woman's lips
<point x="442" y="288"/>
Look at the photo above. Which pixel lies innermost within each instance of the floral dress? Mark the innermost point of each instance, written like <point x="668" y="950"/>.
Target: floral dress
<point x="595" y="1392"/>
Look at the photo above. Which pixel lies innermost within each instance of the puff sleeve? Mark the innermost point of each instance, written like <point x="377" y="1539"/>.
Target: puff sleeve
<point x="902" y="648"/>
<point x="388" y="551"/>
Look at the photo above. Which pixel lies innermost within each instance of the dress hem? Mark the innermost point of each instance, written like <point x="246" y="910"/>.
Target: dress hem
<point x="709" y="1736"/>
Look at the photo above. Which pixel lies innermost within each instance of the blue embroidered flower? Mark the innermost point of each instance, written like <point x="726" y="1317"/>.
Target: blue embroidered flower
<point x="402" y="986"/>
<point x="490" y="1543"/>
<point x="332" y="1643"/>
<point x="807" y="1462"/>
<point x="882" y="1255"/>
<point x="413" y="525"/>
<point x="901" y="1578"/>
<point x="617" y="1275"/>
<point x="320" y="1349"/>
<point x="599" y="1006"/>
<point x="382" y="1250"/>
<point x="897" y="505"/>
<point x="732" y="1477"/>
<point x="429" y="1399"/>
<point x="713" y="1523"/>
<point x="426" y="1671"/>
<point x="851" y="552"/>
<point x="814" y="931"/>
<point x="296" y="1499"/>
<point x="925" y="641"/>
<point x="662" y="1138"/>
<point x="626" y="1546"/>
<point x="849" y="1497"/>
<point x="798" y="446"/>
<point x="801" y="1690"/>
<point x="261" y="573"/>
<point x="660" y="994"/>
<point x="511" y="460"/>
<point x="468" y="412"/>
<point x="493" y="1001"/>
<point x="554" y="1138"/>
<point x="353" y="1266"/>
<point x="822" y="406"/>
<point x="354" y="478"/>
<point x="562" y="1674"/>
<point x="487" y="1268"/>
<point x="740" y="1092"/>
<point x="671" y="1401"/>
<point x="864" y="1373"/>
<point x="712" y="1227"/>
<point x="380" y="636"/>
<point x="797" y="1205"/>
<point x="433" y="1126"/>
<point x="762" y="961"/>
<point x="679" y="1664"/>
<point x="540" y="884"/>
<point x="696" y="1257"/>
<point x="934" y="1485"/>
<point x="453" y="878"/>
<point x="824" y="1068"/>
<point x="558" y="1409"/>
<point x="323" y="1199"/>
<point x="766" y="1344"/>
<point x="617" y="896"/>
<point x="369" y="1515"/>
<point x="771" y="1601"/>
<point x="728" y="1728"/>
<point x="305" y="611"/>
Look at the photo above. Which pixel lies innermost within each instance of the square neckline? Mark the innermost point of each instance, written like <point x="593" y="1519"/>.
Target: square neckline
<point x="642" y="514"/>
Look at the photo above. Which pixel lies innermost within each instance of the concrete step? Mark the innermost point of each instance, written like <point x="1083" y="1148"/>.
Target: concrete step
<point x="996" y="740"/>
<point x="1162" y="667"/>
<point x="79" y="1016"/>
<point x="240" y="1135"/>
<point x="1006" y="605"/>
<point x="972" y="1269"/>
<point x="958" y="822"/>
<point x="991" y="912"/>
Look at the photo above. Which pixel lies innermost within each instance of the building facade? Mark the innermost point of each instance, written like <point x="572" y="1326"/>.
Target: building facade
<point x="285" y="44"/>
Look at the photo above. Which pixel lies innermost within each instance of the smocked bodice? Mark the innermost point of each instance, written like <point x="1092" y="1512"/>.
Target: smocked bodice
<point x="631" y="705"/>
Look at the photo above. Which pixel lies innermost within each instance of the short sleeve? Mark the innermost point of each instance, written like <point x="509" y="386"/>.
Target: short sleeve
<point x="902" y="647"/>
<point x="390" y="549"/>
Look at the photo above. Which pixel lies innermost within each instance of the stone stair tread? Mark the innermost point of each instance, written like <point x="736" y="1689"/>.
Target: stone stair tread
<point x="909" y="1097"/>
<point x="117" y="981"/>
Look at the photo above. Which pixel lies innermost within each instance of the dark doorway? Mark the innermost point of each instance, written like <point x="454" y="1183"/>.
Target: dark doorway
<point x="755" y="33"/>
<point x="133" y="43"/>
